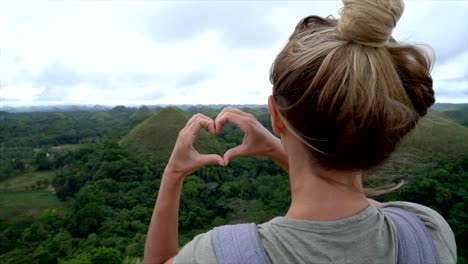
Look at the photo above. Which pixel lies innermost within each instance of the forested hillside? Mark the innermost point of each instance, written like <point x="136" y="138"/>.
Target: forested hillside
<point x="459" y="113"/>
<point x="80" y="186"/>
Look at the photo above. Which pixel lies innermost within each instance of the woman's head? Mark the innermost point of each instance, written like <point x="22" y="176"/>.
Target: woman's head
<point x="347" y="89"/>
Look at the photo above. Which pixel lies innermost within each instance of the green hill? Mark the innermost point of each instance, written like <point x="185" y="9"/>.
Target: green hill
<point x="436" y="135"/>
<point x="101" y="117"/>
<point x="459" y="113"/>
<point x="444" y="106"/>
<point x="155" y="137"/>
<point x="435" y="141"/>
<point x="141" y="114"/>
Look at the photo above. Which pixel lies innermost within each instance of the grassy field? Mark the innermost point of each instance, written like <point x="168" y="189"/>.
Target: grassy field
<point x="26" y="195"/>
<point x="34" y="180"/>
<point x="14" y="205"/>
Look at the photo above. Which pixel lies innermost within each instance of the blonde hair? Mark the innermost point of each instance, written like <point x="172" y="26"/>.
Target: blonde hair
<point x="369" y="22"/>
<point x="347" y="89"/>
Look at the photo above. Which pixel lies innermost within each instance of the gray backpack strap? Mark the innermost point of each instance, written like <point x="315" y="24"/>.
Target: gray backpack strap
<point x="415" y="245"/>
<point x="238" y="244"/>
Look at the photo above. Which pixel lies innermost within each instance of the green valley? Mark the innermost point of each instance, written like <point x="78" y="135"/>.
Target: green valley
<point x="80" y="186"/>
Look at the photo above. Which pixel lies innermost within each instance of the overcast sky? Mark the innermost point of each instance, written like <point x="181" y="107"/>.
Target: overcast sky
<point x="186" y="52"/>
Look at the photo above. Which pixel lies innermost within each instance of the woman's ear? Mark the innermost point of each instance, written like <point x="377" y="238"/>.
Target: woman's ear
<point x="276" y="121"/>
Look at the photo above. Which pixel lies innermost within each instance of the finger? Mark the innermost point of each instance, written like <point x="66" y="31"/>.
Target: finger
<point x="196" y="116"/>
<point x="233" y="118"/>
<point x="234" y="152"/>
<point x="238" y="111"/>
<point x="210" y="127"/>
<point x="200" y="122"/>
<point x="194" y="128"/>
<point x="235" y="111"/>
<point x="219" y="127"/>
<point x="206" y="159"/>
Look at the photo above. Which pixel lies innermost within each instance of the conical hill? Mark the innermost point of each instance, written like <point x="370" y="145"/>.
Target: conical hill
<point x="435" y="141"/>
<point x="437" y="135"/>
<point x="141" y="114"/>
<point x="155" y="137"/>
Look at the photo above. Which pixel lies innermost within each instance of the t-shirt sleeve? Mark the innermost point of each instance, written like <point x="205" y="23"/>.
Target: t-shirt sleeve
<point x="199" y="250"/>
<point x="439" y="229"/>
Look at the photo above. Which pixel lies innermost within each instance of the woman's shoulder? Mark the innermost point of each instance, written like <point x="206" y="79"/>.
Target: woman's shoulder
<point x="199" y="250"/>
<point x="202" y="248"/>
<point x="437" y="226"/>
<point x="430" y="217"/>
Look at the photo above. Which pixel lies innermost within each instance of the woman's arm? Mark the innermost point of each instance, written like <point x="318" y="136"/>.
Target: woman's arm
<point x="162" y="239"/>
<point x="258" y="141"/>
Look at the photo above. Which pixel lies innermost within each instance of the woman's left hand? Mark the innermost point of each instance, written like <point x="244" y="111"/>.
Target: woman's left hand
<point x="258" y="141"/>
<point x="185" y="158"/>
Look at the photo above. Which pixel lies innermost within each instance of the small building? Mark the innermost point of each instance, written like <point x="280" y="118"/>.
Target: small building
<point x="51" y="189"/>
<point x="54" y="150"/>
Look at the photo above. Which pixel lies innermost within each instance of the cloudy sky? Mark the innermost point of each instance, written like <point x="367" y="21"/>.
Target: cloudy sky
<point x="185" y="52"/>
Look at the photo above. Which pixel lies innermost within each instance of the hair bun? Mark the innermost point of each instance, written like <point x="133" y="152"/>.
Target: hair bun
<point x="369" y="22"/>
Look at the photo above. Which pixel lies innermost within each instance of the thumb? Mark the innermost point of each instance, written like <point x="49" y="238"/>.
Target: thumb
<point x="211" y="159"/>
<point x="234" y="152"/>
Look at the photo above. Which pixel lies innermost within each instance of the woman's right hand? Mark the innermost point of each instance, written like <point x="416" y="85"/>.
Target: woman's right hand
<point x="258" y="141"/>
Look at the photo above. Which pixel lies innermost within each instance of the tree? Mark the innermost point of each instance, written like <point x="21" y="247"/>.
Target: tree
<point x="105" y="255"/>
<point x="42" y="162"/>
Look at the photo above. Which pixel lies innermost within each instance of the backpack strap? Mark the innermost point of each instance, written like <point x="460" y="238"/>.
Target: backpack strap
<point x="415" y="245"/>
<point x="238" y="244"/>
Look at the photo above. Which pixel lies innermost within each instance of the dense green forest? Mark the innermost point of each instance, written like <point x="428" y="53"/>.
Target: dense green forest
<point x="80" y="186"/>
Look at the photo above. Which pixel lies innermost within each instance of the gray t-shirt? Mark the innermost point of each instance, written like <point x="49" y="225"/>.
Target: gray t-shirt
<point x="367" y="237"/>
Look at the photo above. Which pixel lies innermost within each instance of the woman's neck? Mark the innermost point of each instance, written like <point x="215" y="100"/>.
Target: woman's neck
<point x="313" y="197"/>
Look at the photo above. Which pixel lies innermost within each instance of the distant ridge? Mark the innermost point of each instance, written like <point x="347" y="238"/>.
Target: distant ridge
<point x="155" y="137"/>
<point x="186" y="107"/>
<point x="458" y="113"/>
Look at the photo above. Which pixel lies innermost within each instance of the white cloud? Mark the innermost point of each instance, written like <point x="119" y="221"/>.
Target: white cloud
<point x="20" y="92"/>
<point x="180" y="52"/>
<point x="455" y="68"/>
<point x="452" y="91"/>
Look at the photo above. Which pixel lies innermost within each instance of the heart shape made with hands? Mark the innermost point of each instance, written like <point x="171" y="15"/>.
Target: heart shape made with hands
<point x="257" y="140"/>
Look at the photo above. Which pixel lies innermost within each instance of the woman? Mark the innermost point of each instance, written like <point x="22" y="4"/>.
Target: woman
<point x="344" y="95"/>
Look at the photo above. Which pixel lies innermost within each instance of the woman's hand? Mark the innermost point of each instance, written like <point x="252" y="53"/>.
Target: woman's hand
<point x="162" y="239"/>
<point x="258" y="141"/>
<point x="185" y="158"/>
